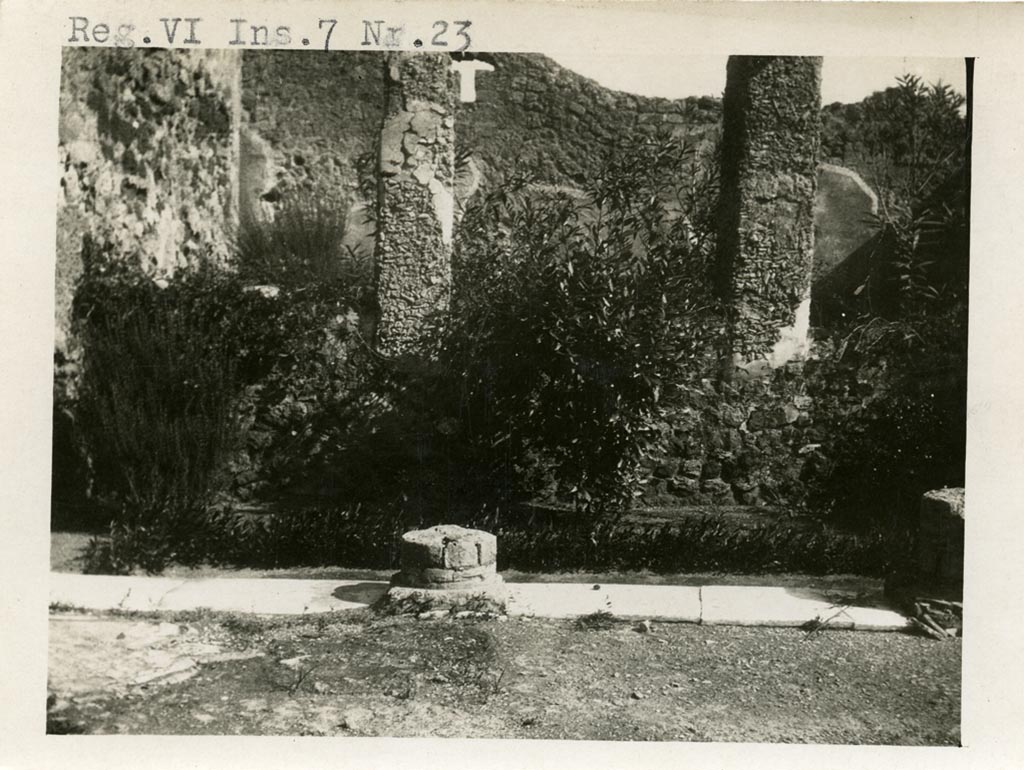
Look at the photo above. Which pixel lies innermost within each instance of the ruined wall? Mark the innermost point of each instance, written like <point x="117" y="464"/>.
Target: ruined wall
<point x="416" y="203"/>
<point x="311" y="121"/>
<point x="532" y="111"/>
<point x="770" y="150"/>
<point x="148" y="148"/>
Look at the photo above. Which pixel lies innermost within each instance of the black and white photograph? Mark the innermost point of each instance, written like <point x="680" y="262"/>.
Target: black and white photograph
<point x="405" y="386"/>
<point x="446" y="395"/>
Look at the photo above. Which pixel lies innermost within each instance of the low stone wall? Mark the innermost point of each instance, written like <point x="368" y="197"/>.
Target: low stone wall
<point x="745" y="443"/>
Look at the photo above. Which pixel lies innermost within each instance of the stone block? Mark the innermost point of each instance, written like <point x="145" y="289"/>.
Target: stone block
<point x="431" y="576"/>
<point x="712" y="469"/>
<point x="461" y="554"/>
<point x="940" y="550"/>
<point x="684" y="487"/>
<point x="733" y="416"/>
<point x="719" y="491"/>
<point x="803" y="402"/>
<point x="692" y="469"/>
<point x="447" y="546"/>
<point x="758" y="420"/>
<point x="666" y="468"/>
<point x="485" y="596"/>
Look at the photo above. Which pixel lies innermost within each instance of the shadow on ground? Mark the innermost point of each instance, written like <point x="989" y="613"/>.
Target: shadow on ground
<point x="364" y="593"/>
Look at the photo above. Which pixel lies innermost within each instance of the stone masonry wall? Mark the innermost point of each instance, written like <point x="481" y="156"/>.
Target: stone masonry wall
<point x="558" y="123"/>
<point x="416" y="203"/>
<point x="312" y="119"/>
<point x="770" y="149"/>
<point x="150" y="143"/>
<point x="147" y="155"/>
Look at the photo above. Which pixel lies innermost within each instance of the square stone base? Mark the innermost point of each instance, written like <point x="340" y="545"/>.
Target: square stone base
<point x="485" y="596"/>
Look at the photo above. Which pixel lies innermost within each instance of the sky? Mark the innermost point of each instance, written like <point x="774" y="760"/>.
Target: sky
<point x="843" y="79"/>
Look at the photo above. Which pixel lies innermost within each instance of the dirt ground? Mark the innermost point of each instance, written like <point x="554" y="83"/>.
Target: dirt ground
<point x="362" y="674"/>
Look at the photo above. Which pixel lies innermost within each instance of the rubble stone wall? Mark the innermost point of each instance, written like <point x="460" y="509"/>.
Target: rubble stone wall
<point x="312" y="119"/>
<point x="311" y="122"/>
<point x="147" y="150"/>
<point x="416" y="203"/>
<point x="770" y="151"/>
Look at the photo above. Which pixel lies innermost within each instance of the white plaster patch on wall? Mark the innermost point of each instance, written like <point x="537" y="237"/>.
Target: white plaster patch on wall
<point x="392" y="158"/>
<point x="256" y="175"/>
<point x="793" y="343"/>
<point x="444" y="208"/>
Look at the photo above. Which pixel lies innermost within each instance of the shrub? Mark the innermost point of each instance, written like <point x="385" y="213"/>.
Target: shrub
<point x="574" y="315"/>
<point x="893" y="401"/>
<point x="892" y="388"/>
<point x="301" y="246"/>
<point x="366" y="537"/>
<point x="162" y="370"/>
<point x="908" y="138"/>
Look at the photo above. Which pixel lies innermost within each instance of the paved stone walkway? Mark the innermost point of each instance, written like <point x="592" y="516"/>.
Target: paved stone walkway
<point x="718" y="605"/>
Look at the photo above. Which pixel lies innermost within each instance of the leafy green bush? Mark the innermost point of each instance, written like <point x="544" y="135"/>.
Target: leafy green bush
<point x="893" y="405"/>
<point x="574" y="316"/>
<point x="906" y="139"/>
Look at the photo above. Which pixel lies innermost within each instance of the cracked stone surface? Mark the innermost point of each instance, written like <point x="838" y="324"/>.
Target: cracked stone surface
<point x="90" y="654"/>
<point x="723" y="605"/>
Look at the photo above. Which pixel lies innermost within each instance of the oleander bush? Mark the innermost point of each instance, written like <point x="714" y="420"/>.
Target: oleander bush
<point x="185" y="383"/>
<point x="576" y="315"/>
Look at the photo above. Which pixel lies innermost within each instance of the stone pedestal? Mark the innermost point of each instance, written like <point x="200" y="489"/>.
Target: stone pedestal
<point x="448" y="568"/>
<point x="940" y="545"/>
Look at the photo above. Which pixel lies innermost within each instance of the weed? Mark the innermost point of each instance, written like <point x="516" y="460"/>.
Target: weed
<point x="601" y="620"/>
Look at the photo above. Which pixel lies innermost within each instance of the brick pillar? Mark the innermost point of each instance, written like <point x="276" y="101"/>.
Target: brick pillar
<point x="415" y="203"/>
<point x="770" y="150"/>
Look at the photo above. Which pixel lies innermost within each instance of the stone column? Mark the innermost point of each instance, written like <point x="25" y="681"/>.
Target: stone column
<point x="770" y="151"/>
<point x="415" y="203"/>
